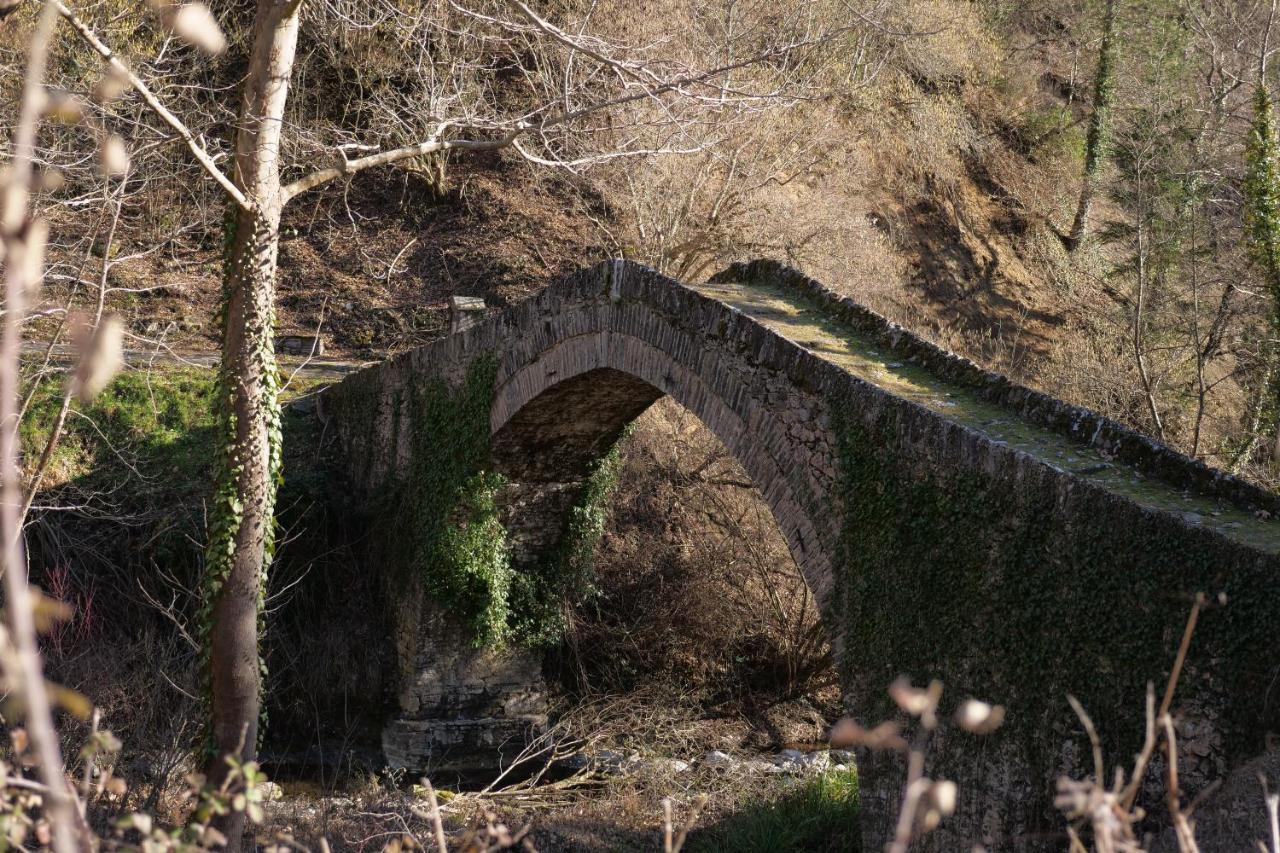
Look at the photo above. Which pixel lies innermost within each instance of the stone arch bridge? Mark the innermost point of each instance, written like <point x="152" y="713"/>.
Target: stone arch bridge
<point x="950" y="523"/>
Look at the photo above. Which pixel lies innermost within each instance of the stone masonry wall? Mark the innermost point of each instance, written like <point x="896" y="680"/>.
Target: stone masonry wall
<point x="932" y="550"/>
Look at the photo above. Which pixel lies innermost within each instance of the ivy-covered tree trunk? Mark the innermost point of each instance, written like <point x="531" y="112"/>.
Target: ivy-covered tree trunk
<point x="1262" y="221"/>
<point x="241" y="529"/>
<point x="1104" y="85"/>
<point x="241" y="521"/>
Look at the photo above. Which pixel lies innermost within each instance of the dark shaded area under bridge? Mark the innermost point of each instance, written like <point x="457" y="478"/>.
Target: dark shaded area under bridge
<point x="950" y="523"/>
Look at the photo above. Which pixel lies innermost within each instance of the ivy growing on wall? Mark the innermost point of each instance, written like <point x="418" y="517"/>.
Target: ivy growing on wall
<point x="442" y="527"/>
<point x="1014" y="590"/>
<point x="471" y="569"/>
<point x="542" y="599"/>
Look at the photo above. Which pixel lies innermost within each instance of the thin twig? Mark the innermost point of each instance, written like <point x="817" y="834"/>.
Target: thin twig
<point x="1131" y="792"/>
<point x="166" y="115"/>
<point x="1190" y="629"/>
<point x="1273" y="815"/>
<point x="18" y="234"/>
<point x="64" y="406"/>
<point x="1148" y="747"/>
<point x="437" y="825"/>
<point x="1181" y="825"/>
<point x="1098" y="770"/>
<point x="698" y="805"/>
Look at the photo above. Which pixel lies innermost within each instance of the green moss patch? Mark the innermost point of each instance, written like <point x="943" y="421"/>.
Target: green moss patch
<point x="138" y="465"/>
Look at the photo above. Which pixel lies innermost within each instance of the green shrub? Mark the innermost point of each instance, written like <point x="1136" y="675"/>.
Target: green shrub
<point x="475" y="569"/>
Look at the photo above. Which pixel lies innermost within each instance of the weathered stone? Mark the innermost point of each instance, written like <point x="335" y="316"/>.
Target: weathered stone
<point x="816" y="762"/>
<point x="300" y="345"/>
<point x="463" y="709"/>
<point x="1234" y="817"/>
<point x="718" y="760"/>
<point x="583" y="358"/>
<point x="608" y="761"/>
<point x="465" y="312"/>
<point x="760" y="766"/>
<point x="671" y="765"/>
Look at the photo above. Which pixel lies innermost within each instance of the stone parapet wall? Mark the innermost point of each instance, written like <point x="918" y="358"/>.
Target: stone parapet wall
<point x="1149" y="455"/>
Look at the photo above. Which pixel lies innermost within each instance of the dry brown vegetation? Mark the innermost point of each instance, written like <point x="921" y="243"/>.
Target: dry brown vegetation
<point x="697" y="590"/>
<point x="929" y="171"/>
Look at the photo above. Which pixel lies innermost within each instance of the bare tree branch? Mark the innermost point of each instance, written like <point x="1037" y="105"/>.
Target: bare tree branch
<point x="643" y="84"/>
<point x="64" y="406"/>
<point x="197" y="150"/>
<point x="20" y="237"/>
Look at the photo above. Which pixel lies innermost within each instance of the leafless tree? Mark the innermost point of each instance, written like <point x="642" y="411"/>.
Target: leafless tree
<point x="22" y="245"/>
<point x="585" y="98"/>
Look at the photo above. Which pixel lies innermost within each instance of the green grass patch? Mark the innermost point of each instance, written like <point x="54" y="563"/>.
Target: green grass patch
<point x="816" y="816"/>
<point x="154" y="425"/>
<point x="139" y="460"/>
<point x="152" y="428"/>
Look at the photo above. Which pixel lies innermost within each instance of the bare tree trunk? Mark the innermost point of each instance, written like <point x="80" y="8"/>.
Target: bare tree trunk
<point x="1084" y="207"/>
<point x="1139" y="353"/>
<point x="1261" y="188"/>
<point x="242" y="540"/>
<point x="241" y="534"/>
<point x="1099" y="128"/>
<point x="1257" y="410"/>
<point x="1201" y="346"/>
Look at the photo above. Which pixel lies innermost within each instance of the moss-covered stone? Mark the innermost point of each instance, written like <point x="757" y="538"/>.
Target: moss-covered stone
<point x="1008" y="590"/>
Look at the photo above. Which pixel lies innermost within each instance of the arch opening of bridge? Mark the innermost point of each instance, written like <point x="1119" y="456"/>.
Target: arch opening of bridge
<point x="948" y="522"/>
<point x="551" y="425"/>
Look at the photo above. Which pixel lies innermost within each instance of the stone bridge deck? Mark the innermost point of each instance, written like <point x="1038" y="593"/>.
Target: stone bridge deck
<point x="1066" y="438"/>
